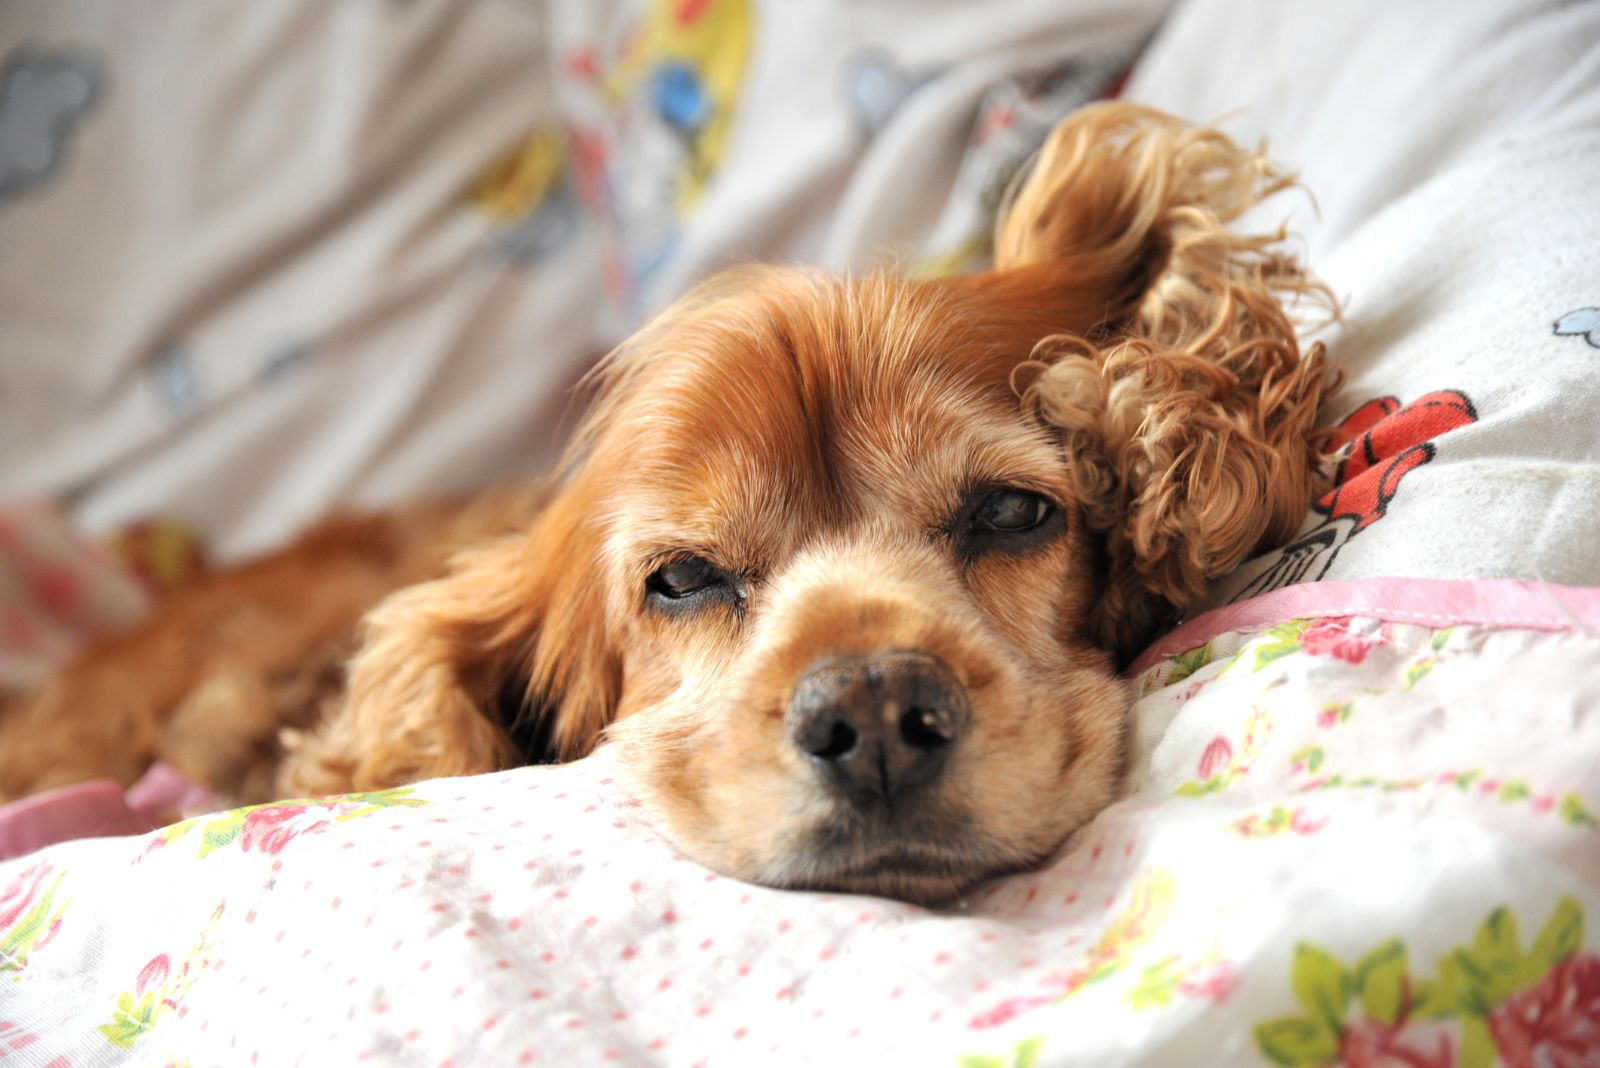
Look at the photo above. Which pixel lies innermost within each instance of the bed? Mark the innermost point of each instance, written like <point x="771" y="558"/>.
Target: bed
<point x="1362" y="818"/>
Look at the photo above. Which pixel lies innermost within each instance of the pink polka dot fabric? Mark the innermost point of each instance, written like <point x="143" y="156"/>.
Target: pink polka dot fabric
<point x="1322" y="813"/>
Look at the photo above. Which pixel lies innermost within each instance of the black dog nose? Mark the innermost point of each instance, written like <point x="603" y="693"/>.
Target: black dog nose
<point x="878" y="724"/>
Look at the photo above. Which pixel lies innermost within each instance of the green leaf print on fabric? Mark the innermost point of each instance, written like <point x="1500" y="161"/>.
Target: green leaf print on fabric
<point x="1575" y="812"/>
<point x="1209" y="977"/>
<point x="1474" y="979"/>
<point x="1307" y="758"/>
<point x="1417" y="670"/>
<point x="160" y="988"/>
<point x="1186" y="664"/>
<point x="1278" y="642"/>
<point x="1176" y="669"/>
<point x="1277" y="820"/>
<point x="1569" y="808"/>
<point x="29" y="916"/>
<point x="1381" y="981"/>
<point x="1025" y="1055"/>
<point x="1348" y="1010"/>
<point x="1490" y="1000"/>
<point x="132" y="1019"/>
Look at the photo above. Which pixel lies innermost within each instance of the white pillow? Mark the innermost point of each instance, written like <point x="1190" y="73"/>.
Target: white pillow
<point x="1454" y="153"/>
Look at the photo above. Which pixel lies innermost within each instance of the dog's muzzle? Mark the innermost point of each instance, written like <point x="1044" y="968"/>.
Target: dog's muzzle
<point x="879" y="725"/>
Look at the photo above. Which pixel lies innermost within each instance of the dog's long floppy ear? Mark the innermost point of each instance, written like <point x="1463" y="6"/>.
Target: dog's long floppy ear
<point x="518" y="620"/>
<point x="1188" y="411"/>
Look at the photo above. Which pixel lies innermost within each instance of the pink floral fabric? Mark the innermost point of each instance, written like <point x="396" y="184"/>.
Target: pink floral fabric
<point x="1345" y="840"/>
<point x="1336" y="638"/>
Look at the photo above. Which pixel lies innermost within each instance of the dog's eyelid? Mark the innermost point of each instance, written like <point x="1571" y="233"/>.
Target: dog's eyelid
<point x="682" y="582"/>
<point x="655" y="561"/>
<point x="1005" y="517"/>
<point x="978" y="491"/>
<point x="1011" y="510"/>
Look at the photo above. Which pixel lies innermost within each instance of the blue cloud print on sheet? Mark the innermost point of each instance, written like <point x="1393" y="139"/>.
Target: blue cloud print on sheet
<point x="876" y="85"/>
<point x="176" y="379"/>
<point x="1585" y="323"/>
<point x="42" y="97"/>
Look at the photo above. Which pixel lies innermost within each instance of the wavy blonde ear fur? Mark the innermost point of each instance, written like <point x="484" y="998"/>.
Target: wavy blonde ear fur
<point x="1189" y="412"/>
<point x="520" y="617"/>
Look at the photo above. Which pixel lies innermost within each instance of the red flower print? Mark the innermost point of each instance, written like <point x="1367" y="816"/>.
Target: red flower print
<point x="1300" y="823"/>
<point x="1215" y="758"/>
<point x="1375" y="1044"/>
<point x="268" y="830"/>
<point x="22" y="894"/>
<point x="1332" y="637"/>
<point x="1213" y="982"/>
<point x="1007" y="1011"/>
<point x="153" y="975"/>
<point x="14" y="1036"/>
<point x="1554" y="1024"/>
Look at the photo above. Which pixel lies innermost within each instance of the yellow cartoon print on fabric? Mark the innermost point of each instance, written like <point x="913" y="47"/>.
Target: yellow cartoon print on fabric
<point x="526" y="195"/>
<point x="516" y="184"/>
<point x="670" y="93"/>
<point x="679" y="72"/>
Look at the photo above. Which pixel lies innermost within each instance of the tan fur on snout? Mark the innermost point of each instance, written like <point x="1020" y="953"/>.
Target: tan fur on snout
<point x="733" y="783"/>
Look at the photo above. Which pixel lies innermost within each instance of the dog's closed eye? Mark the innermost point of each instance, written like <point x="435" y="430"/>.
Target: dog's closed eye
<point x="691" y="582"/>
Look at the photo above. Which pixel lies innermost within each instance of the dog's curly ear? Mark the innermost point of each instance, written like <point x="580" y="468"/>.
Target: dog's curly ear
<point x="1188" y="413"/>
<point x="521" y="617"/>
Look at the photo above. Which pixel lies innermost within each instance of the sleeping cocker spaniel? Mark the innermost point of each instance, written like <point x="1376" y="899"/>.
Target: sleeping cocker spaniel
<point x="845" y="568"/>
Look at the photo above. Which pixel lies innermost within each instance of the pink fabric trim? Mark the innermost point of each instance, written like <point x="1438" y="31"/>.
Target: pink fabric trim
<point x="82" y="810"/>
<point x="1434" y="602"/>
<point x="99" y="808"/>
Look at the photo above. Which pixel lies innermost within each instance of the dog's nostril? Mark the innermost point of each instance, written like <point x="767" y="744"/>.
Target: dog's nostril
<point x="841" y="739"/>
<point x="877" y="724"/>
<point x="926" y="728"/>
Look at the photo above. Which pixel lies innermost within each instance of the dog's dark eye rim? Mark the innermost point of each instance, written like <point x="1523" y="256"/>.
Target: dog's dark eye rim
<point x="687" y="580"/>
<point x="682" y="577"/>
<point x="1006" y="519"/>
<point x="1008" y="510"/>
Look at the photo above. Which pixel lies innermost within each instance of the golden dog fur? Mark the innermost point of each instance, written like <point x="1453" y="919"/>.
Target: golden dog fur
<point x="1129" y="364"/>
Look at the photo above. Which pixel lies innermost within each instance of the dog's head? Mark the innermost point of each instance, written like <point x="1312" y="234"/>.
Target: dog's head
<point x="846" y="568"/>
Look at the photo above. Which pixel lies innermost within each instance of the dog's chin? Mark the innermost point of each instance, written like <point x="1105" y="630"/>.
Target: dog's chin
<point x="933" y="881"/>
<point x="931" y="864"/>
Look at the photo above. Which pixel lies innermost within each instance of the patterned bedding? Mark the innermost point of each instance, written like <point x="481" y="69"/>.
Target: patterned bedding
<point x="1366" y="838"/>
